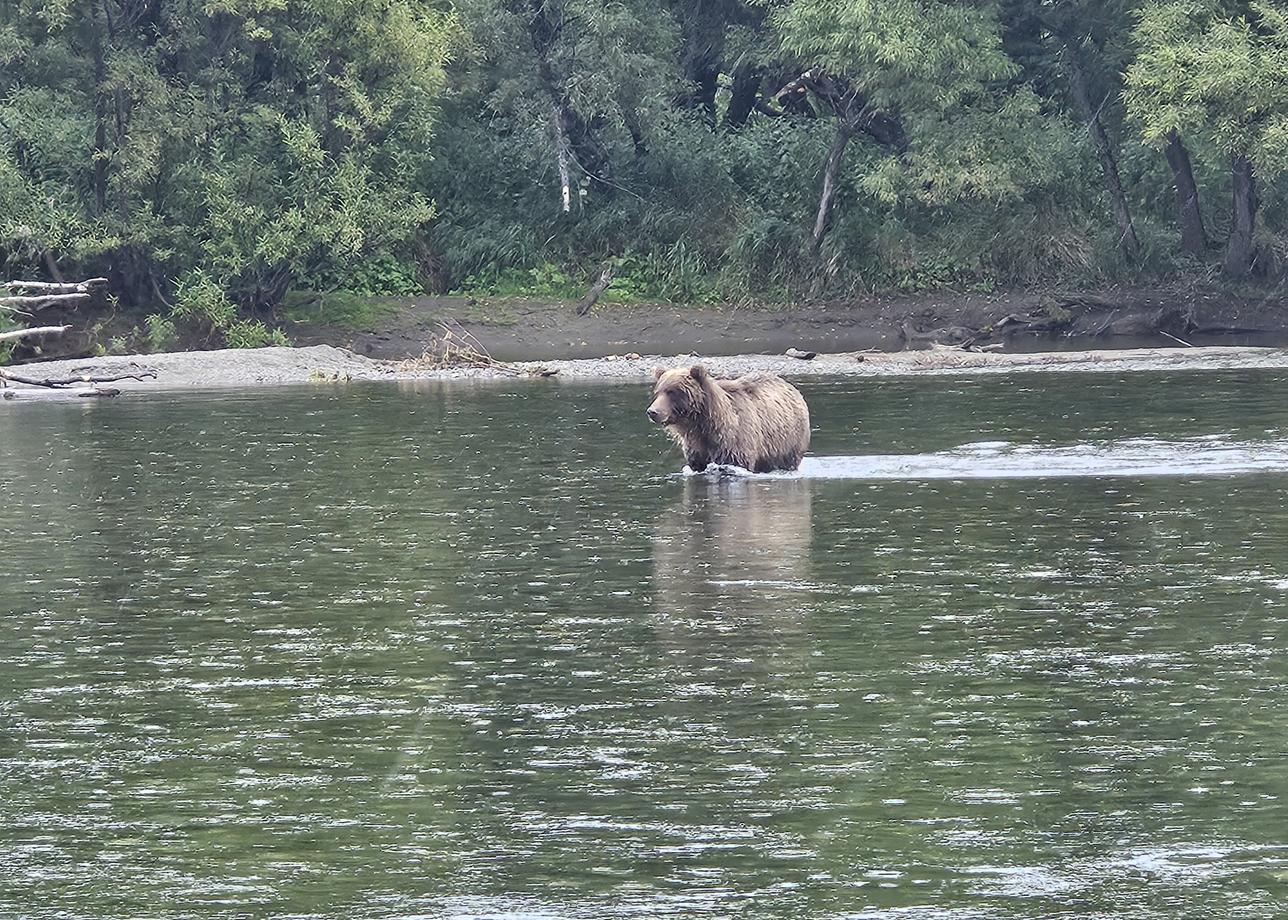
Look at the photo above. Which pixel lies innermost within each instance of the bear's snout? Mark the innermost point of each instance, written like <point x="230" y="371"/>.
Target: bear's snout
<point x="654" y="415"/>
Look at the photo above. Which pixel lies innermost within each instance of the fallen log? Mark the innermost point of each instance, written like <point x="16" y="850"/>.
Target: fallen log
<point x="944" y="335"/>
<point x="54" y="383"/>
<point x="1028" y="322"/>
<point x="89" y="286"/>
<point x="37" y="330"/>
<point x="1145" y="322"/>
<point x="969" y="338"/>
<point x="15" y="393"/>
<point x="39" y="302"/>
<point x="36" y="295"/>
<point x="1221" y="329"/>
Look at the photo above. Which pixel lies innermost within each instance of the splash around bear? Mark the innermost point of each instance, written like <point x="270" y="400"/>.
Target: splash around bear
<point x="759" y="422"/>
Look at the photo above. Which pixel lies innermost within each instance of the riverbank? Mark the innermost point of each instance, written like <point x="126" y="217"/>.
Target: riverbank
<point x="549" y="329"/>
<point x="544" y="329"/>
<point x="325" y="364"/>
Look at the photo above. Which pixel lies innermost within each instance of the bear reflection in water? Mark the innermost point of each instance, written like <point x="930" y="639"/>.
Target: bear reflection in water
<point x="733" y="554"/>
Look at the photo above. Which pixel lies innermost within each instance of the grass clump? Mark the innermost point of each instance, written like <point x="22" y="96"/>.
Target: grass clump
<point x="338" y="308"/>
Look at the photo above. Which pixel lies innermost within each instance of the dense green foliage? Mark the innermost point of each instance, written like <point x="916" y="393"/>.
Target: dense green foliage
<point x="209" y="157"/>
<point x="212" y="155"/>
<point x="1203" y="73"/>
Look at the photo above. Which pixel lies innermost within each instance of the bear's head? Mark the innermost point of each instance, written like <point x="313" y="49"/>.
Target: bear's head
<point x="678" y="394"/>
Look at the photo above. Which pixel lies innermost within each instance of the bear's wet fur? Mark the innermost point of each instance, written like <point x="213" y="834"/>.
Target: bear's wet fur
<point x="759" y="422"/>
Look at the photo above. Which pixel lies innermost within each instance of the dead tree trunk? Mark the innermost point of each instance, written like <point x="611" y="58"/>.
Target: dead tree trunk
<point x="597" y="289"/>
<point x="634" y="127"/>
<point x="1241" y="249"/>
<point x="1189" y="219"/>
<point x="55" y="383"/>
<point x="575" y="141"/>
<point x="854" y="115"/>
<point x="831" y="172"/>
<point x="1104" y="151"/>
<point x="51" y="265"/>
<point x="561" y="159"/>
<point x="58" y="287"/>
<point x="29" y="333"/>
<point x="40" y="294"/>
<point x="100" y="26"/>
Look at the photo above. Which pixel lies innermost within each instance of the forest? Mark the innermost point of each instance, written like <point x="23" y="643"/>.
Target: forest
<point x="214" y="159"/>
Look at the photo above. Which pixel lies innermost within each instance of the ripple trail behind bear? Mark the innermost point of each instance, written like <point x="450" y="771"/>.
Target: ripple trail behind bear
<point x="1129" y="458"/>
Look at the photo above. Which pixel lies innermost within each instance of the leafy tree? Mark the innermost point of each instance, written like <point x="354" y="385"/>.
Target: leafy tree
<point x="250" y="141"/>
<point x="209" y="156"/>
<point x="1219" y="71"/>
<point x="878" y="63"/>
<point x="1074" y="51"/>
<point x="565" y="75"/>
<point x="725" y="44"/>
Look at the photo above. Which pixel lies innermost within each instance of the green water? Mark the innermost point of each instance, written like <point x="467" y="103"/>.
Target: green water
<point x="473" y="651"/>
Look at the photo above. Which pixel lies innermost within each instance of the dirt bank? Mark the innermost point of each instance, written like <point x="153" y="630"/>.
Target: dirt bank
<point x="546" y="329"/>
<point x="324" y="364"/>
<point x="518" y="329"/>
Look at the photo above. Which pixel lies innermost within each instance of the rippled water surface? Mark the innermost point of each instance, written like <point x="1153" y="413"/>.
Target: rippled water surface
<point x="477" y="651"/>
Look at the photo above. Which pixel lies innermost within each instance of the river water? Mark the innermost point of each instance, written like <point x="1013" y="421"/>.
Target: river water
<point x="1008" y="647"/>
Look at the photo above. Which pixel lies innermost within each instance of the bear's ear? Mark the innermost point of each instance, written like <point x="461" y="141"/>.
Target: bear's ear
<point x="698" y="373"/>
<point x="657" y="373"/>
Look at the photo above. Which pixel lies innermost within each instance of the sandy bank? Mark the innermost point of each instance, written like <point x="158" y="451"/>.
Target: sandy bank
<point x="325" y="363"/>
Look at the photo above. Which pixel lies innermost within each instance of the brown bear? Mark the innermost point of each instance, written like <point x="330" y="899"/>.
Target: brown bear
<point x="759" y="422"/>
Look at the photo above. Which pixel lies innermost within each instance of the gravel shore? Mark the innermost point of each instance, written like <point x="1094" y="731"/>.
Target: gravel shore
<point x="249" y="368"/>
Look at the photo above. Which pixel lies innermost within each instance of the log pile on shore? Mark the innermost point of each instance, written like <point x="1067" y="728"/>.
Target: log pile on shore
<point x="24" y="298"/>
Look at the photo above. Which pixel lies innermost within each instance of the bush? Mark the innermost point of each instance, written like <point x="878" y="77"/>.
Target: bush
<point x="199" y="298"/>
<point x="161" y="332"/>
<point x="252" y="333"/>
<point x="383" y="275"/>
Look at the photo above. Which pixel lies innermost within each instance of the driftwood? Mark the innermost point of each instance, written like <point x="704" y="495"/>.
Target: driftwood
<point x="37" y="330"/>
<point x="1052" y="319"/>
<point x="1057" y="313"/>
<point x="597" y="289"/>
<point x="21" y="304"/>
<point x="458" y="348"/>
<point x="36" y="295"/>
<point x="1145" y="322"/>
<point x="1028" y="322"/>
<point x="944" y="335"/>
<point x="90" y="286"/>
<point x="24" y="394"/>
<point x="1222" y="329"/>
<point x="53" y="383"/>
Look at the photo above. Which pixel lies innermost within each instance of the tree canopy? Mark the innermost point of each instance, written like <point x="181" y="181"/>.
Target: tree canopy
<point x="209" y="158"/>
